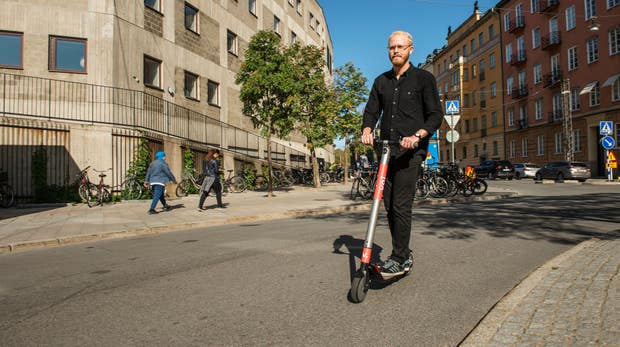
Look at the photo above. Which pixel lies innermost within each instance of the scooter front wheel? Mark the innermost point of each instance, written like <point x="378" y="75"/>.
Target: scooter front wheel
<point x="359" y="286"/>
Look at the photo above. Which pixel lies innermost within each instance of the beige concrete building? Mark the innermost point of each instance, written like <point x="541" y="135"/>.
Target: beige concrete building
<point x="88" y="78"/>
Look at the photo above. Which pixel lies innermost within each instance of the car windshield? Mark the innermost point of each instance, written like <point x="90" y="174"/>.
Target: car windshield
<point x="533" y="166"/>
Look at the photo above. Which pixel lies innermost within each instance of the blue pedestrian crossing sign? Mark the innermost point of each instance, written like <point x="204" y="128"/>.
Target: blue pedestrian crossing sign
<point x="452" y="106"/>
<point x="608" y="142"/>
<point x="606" y="128"/>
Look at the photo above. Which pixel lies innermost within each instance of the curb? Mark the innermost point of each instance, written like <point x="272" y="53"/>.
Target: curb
<point x="359" y="206"/>
<point x="485" y="329"/>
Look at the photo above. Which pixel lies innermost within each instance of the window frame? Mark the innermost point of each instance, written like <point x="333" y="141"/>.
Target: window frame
<point x="589" y="9"/>
<point x="535" y="38"/>
<point x="231" y="37"/>
<point x="572" y="58"/>
<point x="595" y="96"/>
<point x="196" y="88"/>
<point x="21" y="49"/>
<point x="276" y="25"/>
<point x="195" y="30"/>
<point x="570" y="15"/>
<point x="252" y="7"/>
<point x="215" y="95"/>
<point x="158" y="9"/>
<point x="53" y="54"/>
<point x="159" y="68"/>
<point x="592" y="51"/>
<point x="613" y="36"/>
<point x="537" y="72"/>
<point x="615" y="90"/>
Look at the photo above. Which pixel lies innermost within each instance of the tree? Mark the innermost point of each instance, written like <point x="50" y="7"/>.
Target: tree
<point x="313" y="102"/>
<point x="266" y="88"/>
<point x="351" y="91"/>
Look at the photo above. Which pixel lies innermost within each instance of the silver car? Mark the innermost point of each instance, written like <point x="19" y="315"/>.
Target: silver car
<point x="525" y="170"/>
<point x="562" y="170"/>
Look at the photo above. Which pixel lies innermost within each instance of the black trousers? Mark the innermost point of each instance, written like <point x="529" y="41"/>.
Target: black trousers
<point x="217" y="187"/>
<point x="398" y="197"/>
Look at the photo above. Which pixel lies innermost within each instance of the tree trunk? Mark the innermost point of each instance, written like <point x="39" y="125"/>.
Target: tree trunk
<point x="269" y="184"/>
<point x="346" y="163"/>
<point x="315" y="168"/>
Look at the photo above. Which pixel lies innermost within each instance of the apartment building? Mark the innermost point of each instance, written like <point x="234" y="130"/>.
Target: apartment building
<point x="469" y="69"/>
<point x="561" y="78"/>
<point x="87" y="79"/>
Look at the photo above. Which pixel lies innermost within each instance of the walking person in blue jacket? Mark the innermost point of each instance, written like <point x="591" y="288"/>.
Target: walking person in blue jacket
<point x="157" y="176"/>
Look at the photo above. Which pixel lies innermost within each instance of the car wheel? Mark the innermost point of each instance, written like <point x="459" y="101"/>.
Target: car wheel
<point x="518" y="175"/>
<point x="560" y="177"/>
<point x="538" y="177"/>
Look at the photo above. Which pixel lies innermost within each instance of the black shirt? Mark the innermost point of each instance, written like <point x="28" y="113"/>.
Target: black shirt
<point x="404" y="105"/>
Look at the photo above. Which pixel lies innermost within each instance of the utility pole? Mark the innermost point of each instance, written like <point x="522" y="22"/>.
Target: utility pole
<point x="567" y="121"/>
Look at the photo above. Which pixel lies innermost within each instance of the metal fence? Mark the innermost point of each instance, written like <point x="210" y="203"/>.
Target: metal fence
<point x="95" y="104"/>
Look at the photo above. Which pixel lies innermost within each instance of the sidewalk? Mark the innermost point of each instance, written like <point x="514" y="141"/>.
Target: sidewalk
<point x="45" y="226"/>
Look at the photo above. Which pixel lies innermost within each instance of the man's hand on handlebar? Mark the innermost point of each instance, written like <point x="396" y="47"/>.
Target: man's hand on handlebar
<point x="367" y="137"/>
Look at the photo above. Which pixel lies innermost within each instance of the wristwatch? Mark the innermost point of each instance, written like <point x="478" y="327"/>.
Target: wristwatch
<point x="418" y="135"/>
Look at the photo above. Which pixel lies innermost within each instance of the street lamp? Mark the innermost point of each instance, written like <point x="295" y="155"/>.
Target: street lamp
<point x="594" y="26"/>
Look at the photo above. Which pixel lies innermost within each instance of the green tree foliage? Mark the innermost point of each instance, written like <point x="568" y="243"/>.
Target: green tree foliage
<point x="266" y="85"/>
<point x="351" y="92"/>
<point x="141" y="161"/>
<point x="314" y="103"/>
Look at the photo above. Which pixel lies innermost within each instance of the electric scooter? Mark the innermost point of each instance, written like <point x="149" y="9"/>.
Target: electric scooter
<point x="367" y="271"/>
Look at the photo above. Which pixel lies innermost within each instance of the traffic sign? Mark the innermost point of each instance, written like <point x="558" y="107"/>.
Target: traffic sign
<point x="606" y="127"/>
<point x="452" y="120"/>
<point x="608" y="142"/>
<point x="611" y="156"/>
<point x="452" y="136"/>
<point x="452" y="106"/>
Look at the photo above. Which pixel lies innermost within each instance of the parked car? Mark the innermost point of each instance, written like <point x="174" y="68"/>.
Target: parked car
<point x="525" y="170"/>
<point x="495" y="169"/>
<point x="562" y="170"/>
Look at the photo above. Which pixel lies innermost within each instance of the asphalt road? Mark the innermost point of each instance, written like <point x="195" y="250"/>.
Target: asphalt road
<point x="286" y="282"/>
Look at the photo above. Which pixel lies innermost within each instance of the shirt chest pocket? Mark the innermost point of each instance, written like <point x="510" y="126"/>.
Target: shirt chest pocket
<point x="410" y="102"/>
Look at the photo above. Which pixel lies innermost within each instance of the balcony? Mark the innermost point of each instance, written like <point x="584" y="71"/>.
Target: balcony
<point x="552" y="79"/>
<point x="517" y="24"/>
<point x="519" y="92"/>
<point x="518" y="59"/>
<point x="548" y="6"/>
<point x="550" y="41"/>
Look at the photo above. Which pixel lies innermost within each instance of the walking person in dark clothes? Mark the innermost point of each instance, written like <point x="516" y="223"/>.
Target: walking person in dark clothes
<point x="405" y="101"/>
<point x="211" y="181"/>
<point x="157" y="175"/>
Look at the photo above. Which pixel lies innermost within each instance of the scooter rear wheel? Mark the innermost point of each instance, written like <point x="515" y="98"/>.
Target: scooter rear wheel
<point x="359" y="286"/>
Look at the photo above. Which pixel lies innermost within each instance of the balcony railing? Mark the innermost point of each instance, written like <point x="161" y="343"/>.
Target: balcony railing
<point x="519" y="92"/>
<point x="548" y="6"/>
<point x="518" y="58"/>
<point x="551" y="40"/>
<point x="95" y="104"/>
<point x="552" y="79"/>
<point x="517" y="24"/>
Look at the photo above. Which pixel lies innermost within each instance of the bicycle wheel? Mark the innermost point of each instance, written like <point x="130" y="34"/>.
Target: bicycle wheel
<point x="480" y="186"/>
<point x="237" y="184"/>
<point x="324" y="177"/>
<point x="83" y="192"/>
<point x="7" y="196"/>
<point x="421" y="191"/>
<point x="439" y="187"/>
<point x="260" y="183"/>
<point x="132" y="190"/>
<point x="366" y="189"/>
<point x="355" y="186"/>
<point x="182" y="188"/>
<point x="92" y="198"/>
<point x="466" y="188"/>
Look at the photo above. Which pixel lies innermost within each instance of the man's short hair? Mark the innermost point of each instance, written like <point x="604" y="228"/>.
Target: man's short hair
<point x="409" y="37"/>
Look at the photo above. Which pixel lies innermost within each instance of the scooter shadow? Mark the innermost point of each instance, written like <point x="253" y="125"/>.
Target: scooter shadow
<point x="354" y="251"/>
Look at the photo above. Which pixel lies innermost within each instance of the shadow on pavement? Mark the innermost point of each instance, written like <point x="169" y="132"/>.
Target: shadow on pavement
<point x="23" y="210"/>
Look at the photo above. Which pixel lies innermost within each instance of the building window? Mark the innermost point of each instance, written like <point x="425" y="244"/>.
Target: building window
<point x="480" y="39"/>
<point x="522" y="115"/>
<point x="590" y="6"/>
<point x="577" y="140"/>
<point x="491" y="32"/>
<point x="493" y="119"/>
<point x="474" y="125"/>
<point x="153" y="4"/>
<point x="11" y="50"/>
<point x="298" y="6"/>
<point x="152" y="72"/>
<point x="575" y="102"/>
<point x="492" y="60"/>
<point x="557" y="106"/>
<point x="311" y="20"/>
<point x="524" y="147"/>
<point x="67" y="54"/>
<point x="231" y="42"/>
<point x="535" y="38"/>
<point x="595" y="96"/>
<point x="534" y="8"/>
<point x="509" y="85"/>
<point x="276" y="24"/>
<point x="558" y="143"/>
<point x="511" y="116"/>
<point x="540" y="145"/>
<point x="615" y="90"/>
<point x="573" y="63"/>
<point x="464" y="50"/>
<point x="291" y="2"/>
<point x="191" y="18"/>
<point x="512" y="148"/>
<point x="509" y="52"/>
<point x="467" y="128"/>
<point x="191" y="86"/>
<point x="293" y="37"/>
<point x="213" y="93"/>
<point x="507" y="21"/>
<point x="472" y="45"/>
<point x="614" y="40"/>
<point x="495" y="148"/>
<point x="493" y="89"/>
<point x="612" y="3"/>
<point x="537" y="73"/>
<point x="252" y="7"/>
<point x="592" y="46"/>
<point x="571" y="21"/>
<point x="538" y="108"/>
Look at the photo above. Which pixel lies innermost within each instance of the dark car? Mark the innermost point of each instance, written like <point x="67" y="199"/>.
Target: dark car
<point x="495" y="169"/>
<point x="563" y="170"/>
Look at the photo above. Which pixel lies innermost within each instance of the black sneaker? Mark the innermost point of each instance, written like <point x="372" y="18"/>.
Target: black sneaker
<point x="407" y="264"/>
<point x="167" y="208"/>
<point x="152" y="212"/>
<point x="391" y="268"/>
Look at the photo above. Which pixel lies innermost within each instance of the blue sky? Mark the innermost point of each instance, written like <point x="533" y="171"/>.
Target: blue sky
<point x="360" y="28"/>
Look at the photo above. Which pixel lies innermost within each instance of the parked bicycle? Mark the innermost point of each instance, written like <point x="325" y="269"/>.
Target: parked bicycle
<point x="7" y="195"/>
<point x="132" y="187"/>
<point x="363" y="184"/>
<point x="234" y="183"/>
<point x="83" y="184"/>
<point x="190" y="184"/>
<point x="100" y="193"/>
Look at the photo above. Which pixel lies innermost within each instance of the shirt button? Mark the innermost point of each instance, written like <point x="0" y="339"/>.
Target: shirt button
<point x="392" y="130"/>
